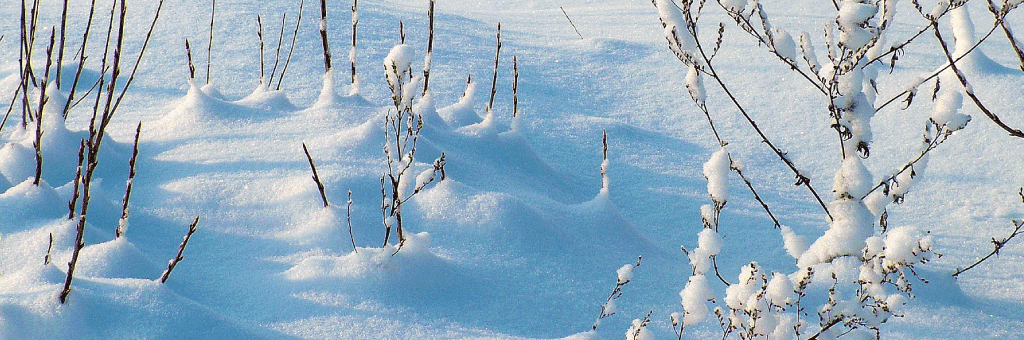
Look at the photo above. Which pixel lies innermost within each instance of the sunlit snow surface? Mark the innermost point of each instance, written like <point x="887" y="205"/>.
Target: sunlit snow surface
<point x="518" y="241"/>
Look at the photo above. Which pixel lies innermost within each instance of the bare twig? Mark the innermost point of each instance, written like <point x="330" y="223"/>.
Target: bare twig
<point x="191" y="67"/>
<point x="494" y="80"/>
<point x="430" y="49"/>
<point x="209" y="46"/>
<point x="63" y="34"/>
<point x="123" y="223"/>
<point x="277" y="56"/>
<point x="46" y="259"/>
<point x="355" y="27"/>
<point x="78" y="181"/>
<point x="184" y="242"/>
<point x="259" y="35"/>
<point x="316" y="177"/>
<point x="323" y="35"/>
<point x="348" y="218"/>
<point x="970" y="90"/>
<point x="570" y="22"/>
<point x="616" y="293"/>
<point x="291" y="47"/>
<point x="515" y="86"/>
<point x="81" y="61"/>
<point x="39" y="113"/>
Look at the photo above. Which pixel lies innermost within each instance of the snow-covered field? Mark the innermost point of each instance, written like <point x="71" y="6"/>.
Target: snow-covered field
<point x="523" y="238"/>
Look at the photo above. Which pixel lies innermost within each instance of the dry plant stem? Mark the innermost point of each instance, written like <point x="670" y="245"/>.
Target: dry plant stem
<point x="515" y="86"/>
<point x="348" y="218"/>
<point x="1014" y="44"/>
<point x="814" y="81"/>
<point x="801" y="179"/>
<point x="738" y="171"/>
<point x="259" y="35"/>
<point x="46" y="259"/>
<point x="316" y="177"/>
<point x="997" y="244"/>
<point x="138" y="60"/>
<point x="291" y="47"/>
<point x="184" y="242"/>
<point x="191" y="67"/>
<point x="38" y="144"/>
<point x="616" y="293"/>
<point x="78" y="181"/>
<point x="63" y="34"/>
<point x="933" y="142"/>
<point x="277" y="56"/>
<point x="969" y="89"/>
<point x="570" y="22"/>
<point x="355" y="26"/>
<point x="323" y="35"/>
<point x="128" y="188"/>
<point x="81" y="61"/>
<point x="209" y="46"/>
<point x="943" y="68"/>
<point x="494" y="80"/>
<point x="430" y="48"/>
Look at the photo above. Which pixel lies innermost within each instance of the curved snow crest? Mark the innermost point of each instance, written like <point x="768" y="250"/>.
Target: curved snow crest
<point x="27" y="201"/>
<point x="413" y="261"/>
<point x="116" y="258"/>
<point x="329" y="101"/>
<point x="143" y="309"/>
<point x="262" y="97"/>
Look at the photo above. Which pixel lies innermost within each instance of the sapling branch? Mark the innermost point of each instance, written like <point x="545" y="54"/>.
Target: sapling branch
<point x="209" y="46"/>
<point x="81" y="61"/>
<point x="63" y="34"/>
<point x="316" y="177"/>
<point x="181" y="249"/>
<point x="38" y="144"/>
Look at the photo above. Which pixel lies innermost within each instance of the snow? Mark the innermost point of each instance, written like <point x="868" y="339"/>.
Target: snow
<point x="519" y="240"/>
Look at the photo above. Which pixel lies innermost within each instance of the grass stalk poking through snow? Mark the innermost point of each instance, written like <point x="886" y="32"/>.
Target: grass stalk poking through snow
<point x="209" y="46"/>
<point x="38" y="144"/>
<point x="355" y="27"/>
<point x="277" y="56"/>
<point x="316" y="177"/>
<point x="81" y="61"/>
<point x="494" y="79"/>
<point x="122" y="224"/>
<point x="291" y="48"/>
<point x="348" y="218"/>
<point x="430" y="49"/>
<point x="259" y="35"/>
<point x="188" y="56"/>
<point x="323" y="36"/>
<point x="181" y="249"/>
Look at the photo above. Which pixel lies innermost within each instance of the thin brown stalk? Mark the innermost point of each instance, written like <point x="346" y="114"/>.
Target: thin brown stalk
<point x="81" y="61"/>
<point x="316" y="176"/>
<point x="515" y="86"/>
<point x="181" y="249"/>
<point x="49" y="249"/>
<point x="323" y="35"/>
<point x="63" y="34"/>
<point x="128" y="187"/>
<point x="570" y="22"/>
<point x="355" y="26"/>
<point x="78" y="181"/>
<point x="348" y="218"/>
<point x="138" y="60"/>
<point x="291" y="47"/>
<point x="209" y="46"/>
<point x="494" y="79"/>
<point x="188" y="55"/>
<point x="39" y="113"/>
<point x="430" y="49"/>
<point x="259" y="35"/>
<point x="277" y="56"/>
